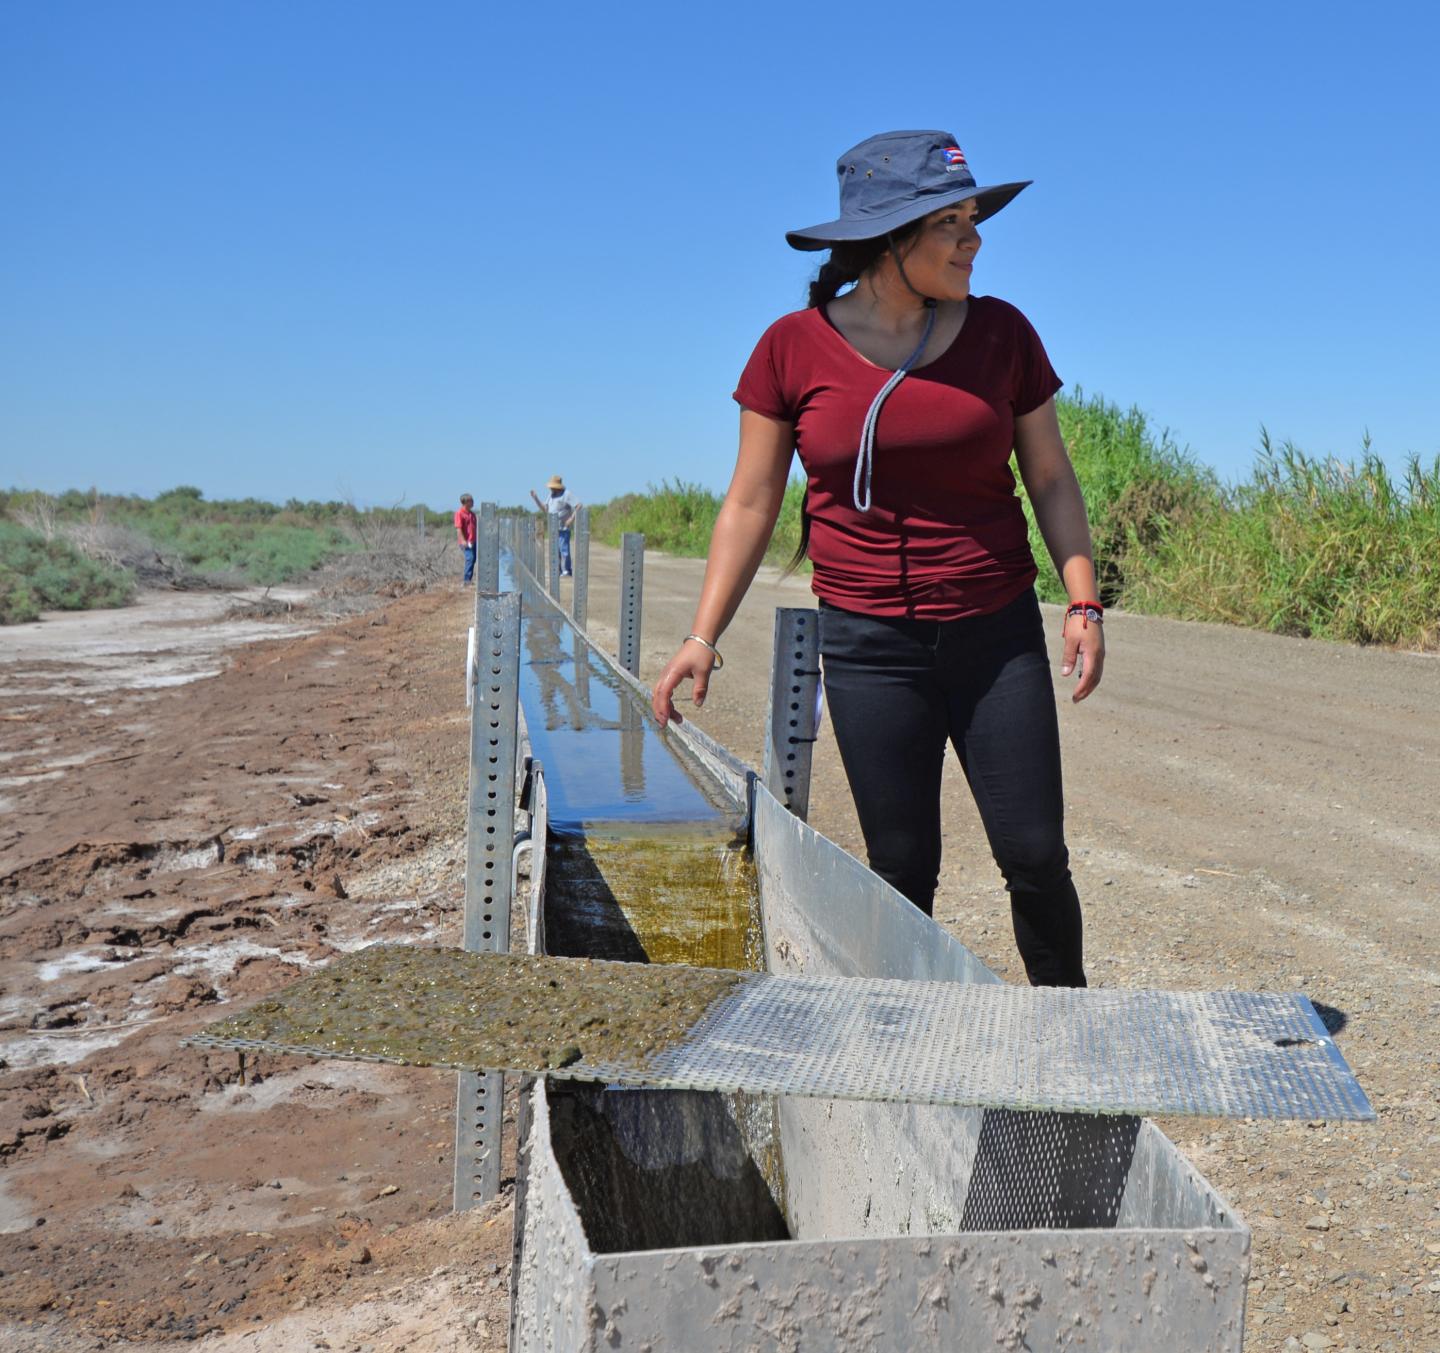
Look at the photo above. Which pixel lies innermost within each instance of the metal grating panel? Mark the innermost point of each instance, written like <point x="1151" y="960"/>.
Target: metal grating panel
<point x="1220" y="1054"/>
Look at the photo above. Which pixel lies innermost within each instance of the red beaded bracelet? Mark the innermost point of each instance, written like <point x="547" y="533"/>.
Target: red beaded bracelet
<point x="1087" y="611"/>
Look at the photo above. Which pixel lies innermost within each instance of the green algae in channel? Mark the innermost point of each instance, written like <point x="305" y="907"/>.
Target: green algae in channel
<point x="658" y="896"/>
<point x="448" y="1008"/>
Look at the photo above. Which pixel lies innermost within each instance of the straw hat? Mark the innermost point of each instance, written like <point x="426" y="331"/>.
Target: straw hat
<point x="555" y="482"/>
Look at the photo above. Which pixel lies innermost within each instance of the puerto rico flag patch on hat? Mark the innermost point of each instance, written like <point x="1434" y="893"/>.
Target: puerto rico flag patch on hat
<point x="954" y="159"/>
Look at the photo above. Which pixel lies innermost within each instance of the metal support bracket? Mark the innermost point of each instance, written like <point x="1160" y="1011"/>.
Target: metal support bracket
<point x="794" y="707"/>
<point x="552" y="546"/>
<point x="487" y="549"/>
<point x="479" y="1108"/>
<point x="527" y="543"/>
<point x="632" y="578"/>
<point x="580" y="563"/>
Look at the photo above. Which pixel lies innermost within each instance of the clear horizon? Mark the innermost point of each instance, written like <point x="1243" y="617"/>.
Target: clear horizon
<point x="359" y="252"/>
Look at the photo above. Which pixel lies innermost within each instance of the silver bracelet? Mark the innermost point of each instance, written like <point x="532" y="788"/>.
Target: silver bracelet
<point x="705" y="643"/>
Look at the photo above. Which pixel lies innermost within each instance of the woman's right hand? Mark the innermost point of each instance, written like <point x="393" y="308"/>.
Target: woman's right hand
<point x="694" y="662"/>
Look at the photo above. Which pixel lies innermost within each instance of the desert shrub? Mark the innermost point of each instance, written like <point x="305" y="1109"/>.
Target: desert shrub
<point x="388" y="557"/>
<point x="258" y="552"/>
<point x="18" y="602"/>
<point x="130" y="549"/>
<point x="38" y="574"/>
<point x="180" y="536"/>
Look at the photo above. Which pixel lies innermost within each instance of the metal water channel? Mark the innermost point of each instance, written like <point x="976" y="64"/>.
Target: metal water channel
<point x="649" y="856"/>
<point x="672" y="1220"/>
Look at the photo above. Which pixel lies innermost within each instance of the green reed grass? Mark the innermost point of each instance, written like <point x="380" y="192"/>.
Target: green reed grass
<point x="1308" y="546"/>
<point x="1135" y="481"/>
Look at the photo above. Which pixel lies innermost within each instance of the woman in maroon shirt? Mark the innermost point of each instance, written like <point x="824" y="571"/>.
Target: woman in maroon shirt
<point x="904" y="397"/>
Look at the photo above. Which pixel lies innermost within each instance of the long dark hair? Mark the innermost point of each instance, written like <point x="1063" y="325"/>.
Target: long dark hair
<point x="848" y="262"/>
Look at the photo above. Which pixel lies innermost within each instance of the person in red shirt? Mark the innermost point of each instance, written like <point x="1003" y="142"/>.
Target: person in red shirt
<point x="904" y="396"/>
<point x="465" y="533"/>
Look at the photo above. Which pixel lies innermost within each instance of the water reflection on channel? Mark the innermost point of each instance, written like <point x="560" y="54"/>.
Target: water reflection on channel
<point x="604" y="760"/>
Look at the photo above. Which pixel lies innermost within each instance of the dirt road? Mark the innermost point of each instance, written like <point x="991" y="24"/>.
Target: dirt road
<point x="1244" y="811"/>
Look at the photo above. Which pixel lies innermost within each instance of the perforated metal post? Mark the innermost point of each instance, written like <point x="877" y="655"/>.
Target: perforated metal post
<point x="481" y="592"/>
<point x="794" y="707"/>
<point x="489" y="847"/>
<point x="552" y="547"/>
<point x="632" y="578"/>
<point x="580" y="562"/>
<point x="487" y="549"/>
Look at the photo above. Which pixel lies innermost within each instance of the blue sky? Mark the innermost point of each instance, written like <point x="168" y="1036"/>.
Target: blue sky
<point x="394" y="251"/>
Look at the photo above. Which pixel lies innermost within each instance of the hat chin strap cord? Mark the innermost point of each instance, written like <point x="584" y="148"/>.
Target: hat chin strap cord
<point x="865" y="457"/>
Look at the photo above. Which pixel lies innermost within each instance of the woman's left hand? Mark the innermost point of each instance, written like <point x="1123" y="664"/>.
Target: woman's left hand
<point x="1084" y="652"/>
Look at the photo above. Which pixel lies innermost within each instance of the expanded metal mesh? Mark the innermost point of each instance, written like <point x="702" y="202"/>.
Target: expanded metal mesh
<point x="1220" y="1054"/>
<point x="1049" y="1171"/>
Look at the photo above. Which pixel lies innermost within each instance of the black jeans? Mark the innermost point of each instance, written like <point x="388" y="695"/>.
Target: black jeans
<point x="897" y="691"/>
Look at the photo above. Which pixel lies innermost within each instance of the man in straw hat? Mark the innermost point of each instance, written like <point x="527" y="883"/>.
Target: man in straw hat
<point x="563" y="508"/>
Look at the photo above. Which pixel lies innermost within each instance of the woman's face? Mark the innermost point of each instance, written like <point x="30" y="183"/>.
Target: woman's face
<point x="942" y="254"/>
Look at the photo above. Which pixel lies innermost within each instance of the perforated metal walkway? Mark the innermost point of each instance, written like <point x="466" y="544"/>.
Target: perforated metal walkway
<point x="1223" y="1054"/>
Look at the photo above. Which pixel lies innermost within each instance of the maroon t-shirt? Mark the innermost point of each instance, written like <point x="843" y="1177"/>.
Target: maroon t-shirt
<point x="945" y="536"/>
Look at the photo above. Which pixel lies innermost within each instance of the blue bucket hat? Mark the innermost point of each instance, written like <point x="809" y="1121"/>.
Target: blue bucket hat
<point x="895" y="178"/>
